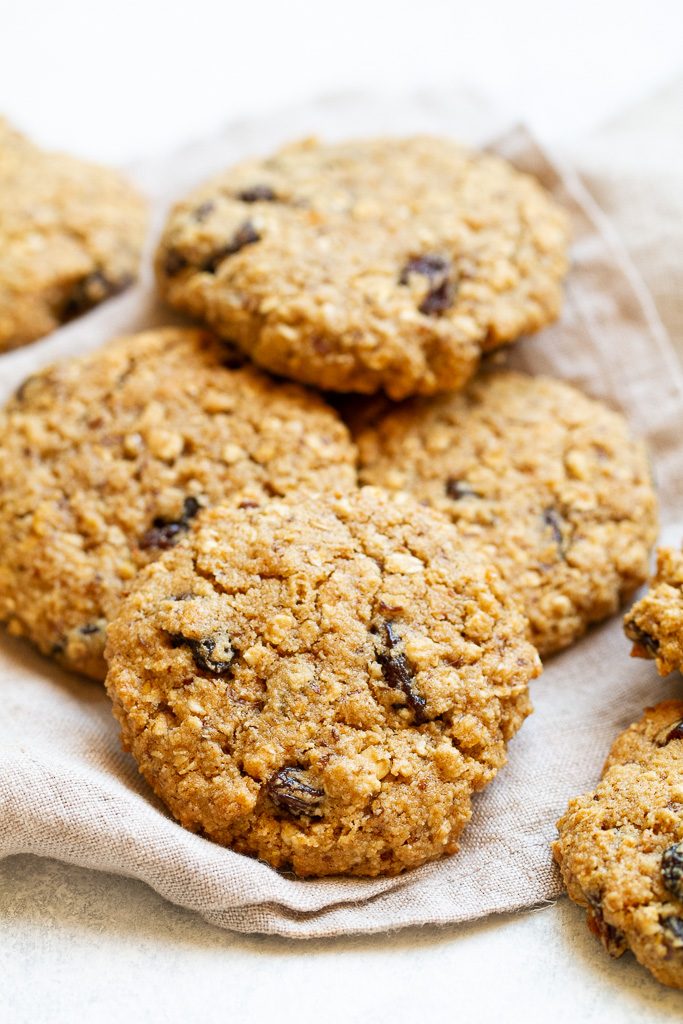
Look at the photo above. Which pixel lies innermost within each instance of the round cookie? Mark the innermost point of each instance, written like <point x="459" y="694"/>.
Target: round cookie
<point x="548" y="481"/>
<point x="620" y="848"/>
<point x="381" y="264"/>
<point x="71" y="234"/>
<point x="105" y="460"/>
<point x="655" y="623"/>
<point x="321" y="684"/>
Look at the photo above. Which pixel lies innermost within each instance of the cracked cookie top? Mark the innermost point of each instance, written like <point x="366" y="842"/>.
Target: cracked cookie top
<point x="71" y="234"/>
<point x="106" y="460"/>
<point x="655" y="623"/>
<point x="323" y="683"/>
<point x="548" y="481"/>
<point x="620" y="848"/>
<point x="382" y="264"/>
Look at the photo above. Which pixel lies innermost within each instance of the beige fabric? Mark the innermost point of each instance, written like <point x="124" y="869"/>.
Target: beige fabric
<point x="634" y="167"/>
<point x="67" y="791"/>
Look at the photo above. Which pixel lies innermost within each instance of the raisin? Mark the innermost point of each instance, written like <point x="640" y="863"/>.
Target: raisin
<point x="233" y="359"/>
<point x="214" y="654"/>
<point x="162" y="535"/>
<point x="674" y="925"/>
<point x="442" y="289"/>
<point x="290" y="792"/>
<point x="438" y="300"/>
<point x="203" y="211"/>
<point x="174" y="263"/>
<point x="91" y="290"/>
<point x="258" y="194"/>
<point x="644" y="642"/>
<point x="431" y="266"/>
<point x="458" y="489"/>
<point x="190" y="508"/>
<point x="165" y="532"/>
<point x="397" y="673"/>
<point x="672" y="869"/>
<point x="553" y="521"/>
<point x="612" y="939"/>
<point x="245" y="235"/>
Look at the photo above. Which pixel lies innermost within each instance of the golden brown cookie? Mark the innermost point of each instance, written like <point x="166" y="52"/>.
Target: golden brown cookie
<point x="106" y="460"/>
<point x="382" y="264"/>
<point x="621" y="847"/>
<point x="655" y="623"/>
<point x="70" y="236"/>
<point x="548" y="481"/>
<point x="321" y="683"/>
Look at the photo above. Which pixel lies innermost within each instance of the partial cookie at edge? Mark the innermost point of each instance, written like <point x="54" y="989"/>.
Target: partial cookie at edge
<point x="71" y="234"/>
<point x="655" y="623"/>
<point x="620" y="848"/>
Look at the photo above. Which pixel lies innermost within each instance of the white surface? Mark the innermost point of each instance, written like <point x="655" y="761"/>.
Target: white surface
<point x="74" y="949"/>
<point x="122" y="79"/>
<point x="117" y="80"/>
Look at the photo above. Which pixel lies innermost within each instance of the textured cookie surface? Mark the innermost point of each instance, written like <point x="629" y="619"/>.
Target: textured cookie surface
<point x="547" y="480"/>
<point x="70" y="236"/>
<point x="655" y="623"/>
<point x="620" y="848"/>
<point x="386" y="264"/>
<point x="106" y="460"/>
<point x="321" y="684"/>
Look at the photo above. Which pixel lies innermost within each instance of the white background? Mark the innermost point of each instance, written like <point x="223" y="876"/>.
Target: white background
<point x="123" y="79"/>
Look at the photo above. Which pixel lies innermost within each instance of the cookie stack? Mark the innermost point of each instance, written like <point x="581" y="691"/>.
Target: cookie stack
<point x="317" y="616"/>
